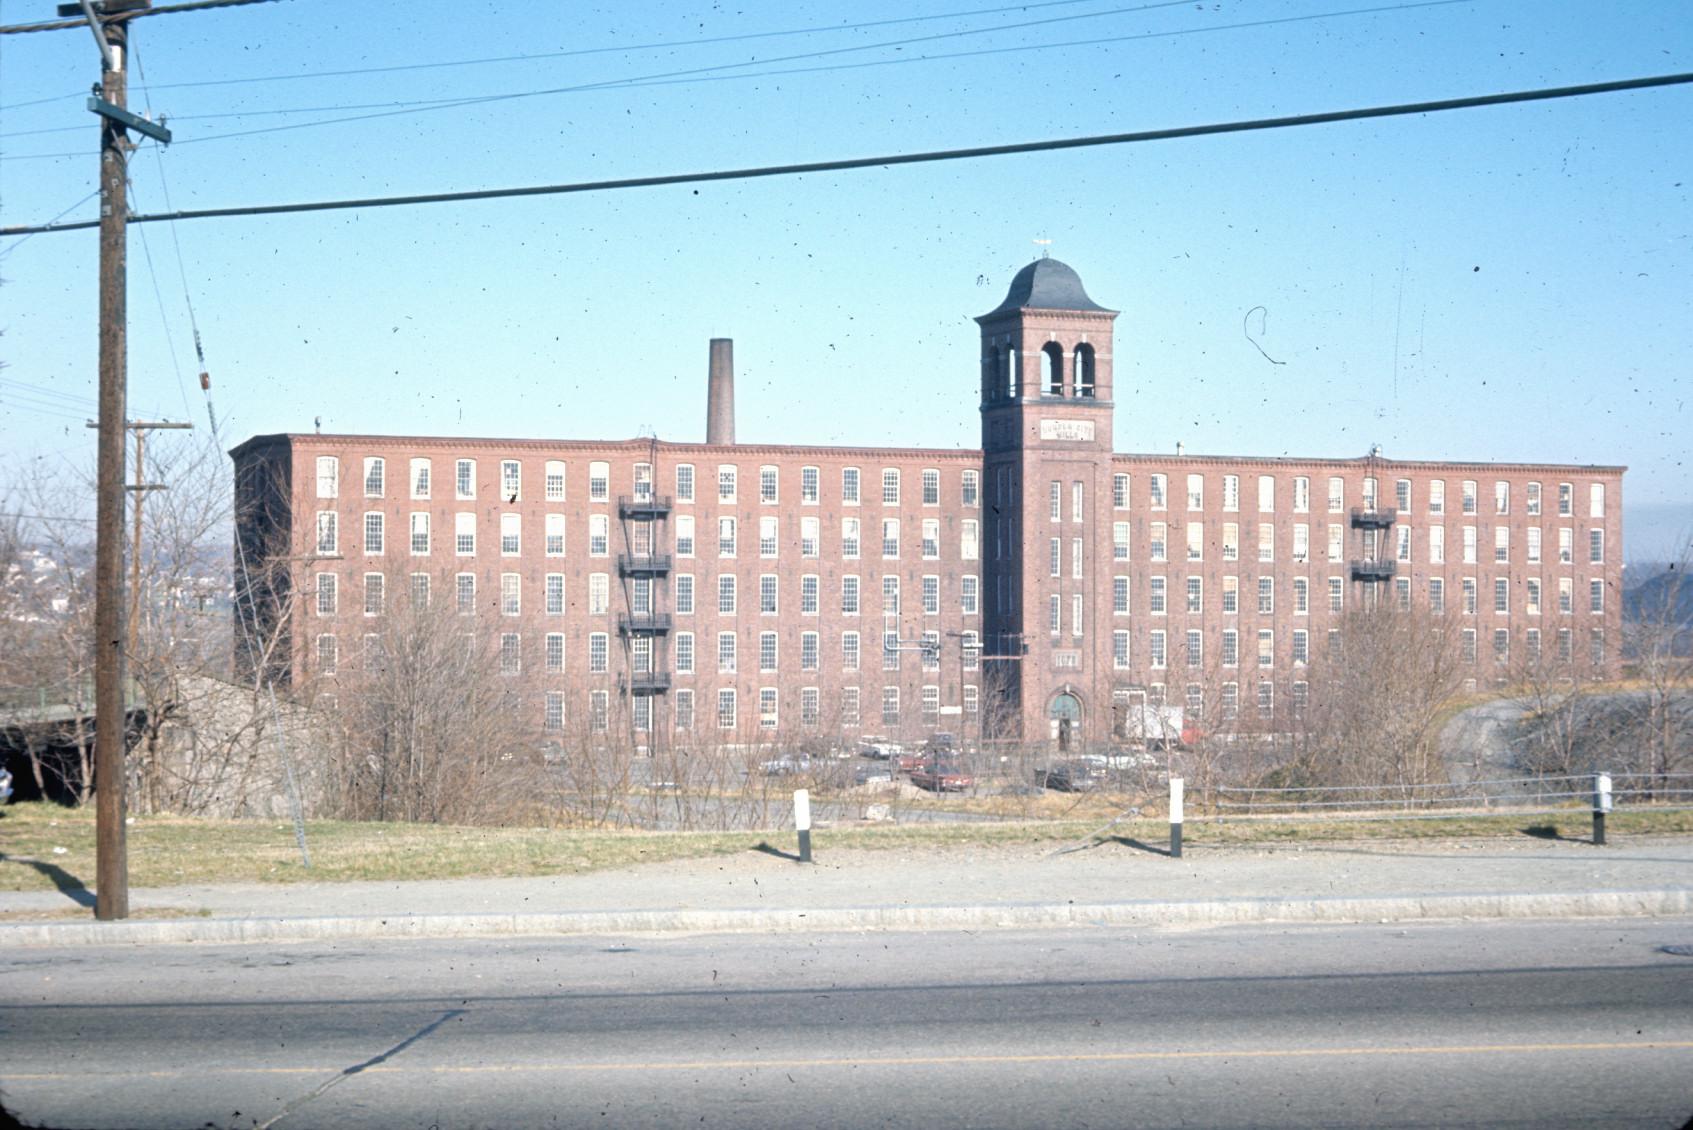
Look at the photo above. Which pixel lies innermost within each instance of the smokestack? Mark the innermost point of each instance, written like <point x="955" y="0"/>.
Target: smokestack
<point x="720" y="393"/>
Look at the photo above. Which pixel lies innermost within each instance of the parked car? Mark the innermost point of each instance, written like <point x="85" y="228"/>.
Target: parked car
<point x="941" y="742"/>
<point x="788" y="765"/>
<point x="906" y="762"/>
<point x="1070" y="777"/>
<point x="942" y="775"/>
<point x="873" y="775"/>
<point x="879" y="749"/>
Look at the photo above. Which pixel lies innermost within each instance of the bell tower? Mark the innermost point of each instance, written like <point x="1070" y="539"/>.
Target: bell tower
<point x="1046" y="478"/>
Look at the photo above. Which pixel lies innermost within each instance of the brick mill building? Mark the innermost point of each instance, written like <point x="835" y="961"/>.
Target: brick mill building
<point x="1041" y="586"/>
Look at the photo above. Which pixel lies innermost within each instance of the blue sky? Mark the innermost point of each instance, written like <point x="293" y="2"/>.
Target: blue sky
<point x="1503" y="284"/>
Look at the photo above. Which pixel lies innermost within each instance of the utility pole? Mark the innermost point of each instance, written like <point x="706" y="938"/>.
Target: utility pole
<point x="139" y="488"/>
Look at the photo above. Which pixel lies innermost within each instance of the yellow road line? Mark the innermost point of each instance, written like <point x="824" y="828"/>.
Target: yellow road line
<point x="885" y="1061"/>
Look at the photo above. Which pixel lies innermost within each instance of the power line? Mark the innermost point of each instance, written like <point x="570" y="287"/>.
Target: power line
<point x="929" y="157"/>
<point x="710" y="73"/>
<point x="125" y="17"/>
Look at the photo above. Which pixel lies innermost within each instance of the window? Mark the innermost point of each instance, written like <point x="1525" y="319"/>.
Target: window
<point x="554" y="594"/>
<point x="511" y="656"/>
<point x="1231" y="648"/>
<point x="1566" y="546"/>
<point x="328" y="476"/>
<point x="1402" y="495"/>
<point x="1231" y="492"/>
<point x="931" y="538"/>
<point x="1566" y="596"/>
<point x="1469" y="545"/>
<point x="420" y="533"/>
<point x="553" y="715"/>
<point x="890" y="595"/>
<point x="849" y="486"/>
<point x="1437" y="596"/>
<point x="553" y="480"/>
<point x="684" y="482"/>
<point x="849" y="595"/>
<point x="1266" y="596"/>
<point x="1266" y="493"/>
<point x="1231" y="595"/>
<point x="1120" y="649"/>
<point x="1596" y="500"/>
<point x="1337" y="541"/>
<point x="1302" y="542"/>
<point x="326" y="594"/>
<point x="890" y="537"/>
<point x="1196" y="594"/>
<point x="767" y="651"/>
<point x="511" y="479"/>
<point x="1437" y="496"/>
<point x="767" y="536"/>
<point x="684" y="594"/>
<point x="1533" y="553"/>
<point x="599" y="593"/>
<point x="1596" y="546"/>
<point x="1532" y="589"/>
<point x="420" y="478"/>
<point x="726" y="482"/>
<point x="1531" y="505"/>
<point x="849" y="538"/>
<point x="726" y="652"/>
<point x="1501" y="645"/>
<point x="420" y="590"/>
<point x="1076" y="615"/>
<point x="1055" y="557"/>
<point x="1301" y="494"/>
<point x="1596" y="647"/>
<point x="1469" y="496"/>
<point x="373" y="529"/>
<point x="555" y="651"/>
<point x="510" y="526"/>
<point x="1266" y="541"/>
<point x="1566" y="500"/>
<point x="970" y="489"/>
<point x="1120" y="492"/>
<point x="1195" y="541"/>
<point x="510" y="594"/>
<point x="1501" y="595"/>
<point x="1156" y="648"/>
<point x="1195" y="648"/>
<point x="726" y="594"/>
<point x="890" y="487"/>
<point x="464" y="478"/>
<point x="1119" y="541"/>
<point x="767" y="485"/>
<point x="1195" y="492"/>
<point x="726" y="708"/>
<point x="1266" y="647"/>
<point x="1301" y="647"/>
<point x="1467" y="645"/>
<point x="1596" y="595"/>
<point x="1337" y="494"/>
<point x="1231" y="541"/>
<point x="969" y="540"/>
<point x="808" y="588"/>
<point x="1402" y="543"/>
<point x="931" y="487"/>
<point x="1501" y="543"/>
<point x="327" y="654"/>
<point x="1402" y="593"/>
<point x="464" y="592"/>
<point x="890" y="706"/>
<point x="931" y="595"/>
<point x="554" y="540"/>
<point x="1156" y="595"/>
<point x="1437" y="545"/>
<point x="328" y="534"/>
<point x="599" y="535"/>
<point x="1337" y="594"/>
<point x="849" y="651"/>
<point x="726" y="537"/>
<point x="1266" y="698"/>
<point x="969" y="594"/>
<point x="1159" y="537"/>
<point x="1055" y="613"/>
<point x="1301" y="596"/>
<point x="1469" y="587"/>
<point x="809" y="536"/>
<point x="1055" y="500"/>
<point x="1120" y="595"/>
<point x="1156" y="491"/>
<point x="767" y="594"/>
<point x="373" y="474"/>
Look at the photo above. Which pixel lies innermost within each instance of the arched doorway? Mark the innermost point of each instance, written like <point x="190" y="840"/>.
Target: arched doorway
<point x="1065" y="715"/>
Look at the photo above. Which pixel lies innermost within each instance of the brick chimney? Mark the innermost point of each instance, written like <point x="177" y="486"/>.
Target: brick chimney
<point x="720" y="393"/>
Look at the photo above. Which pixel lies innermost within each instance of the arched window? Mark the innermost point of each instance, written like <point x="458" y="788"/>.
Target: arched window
<point x="1007" y="371"/>
<point x="1084" y="371"/>
<point x="1052" y="369"/>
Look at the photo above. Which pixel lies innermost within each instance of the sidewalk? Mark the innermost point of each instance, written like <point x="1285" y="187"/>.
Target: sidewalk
<point x="1021" y="886"/>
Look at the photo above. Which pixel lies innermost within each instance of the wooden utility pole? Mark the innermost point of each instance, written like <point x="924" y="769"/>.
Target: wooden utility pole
<point x="111" y="720"/>
<point x="139" y="489"/>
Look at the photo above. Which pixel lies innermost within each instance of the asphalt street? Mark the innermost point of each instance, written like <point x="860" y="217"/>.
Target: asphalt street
<point x="1539" y="1024"/>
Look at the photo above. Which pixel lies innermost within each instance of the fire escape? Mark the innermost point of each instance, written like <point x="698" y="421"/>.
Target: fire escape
<point x="1372" y="526"/>
<point x="643" y="570"/>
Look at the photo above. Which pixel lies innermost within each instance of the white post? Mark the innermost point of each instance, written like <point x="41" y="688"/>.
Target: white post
<point x="1176" y="788"/>
<point x="802" y="822"/>
<point x="1601" y="805"/>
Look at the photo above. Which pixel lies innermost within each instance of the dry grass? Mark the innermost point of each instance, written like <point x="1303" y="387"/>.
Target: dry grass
<point x="176" y="851"/>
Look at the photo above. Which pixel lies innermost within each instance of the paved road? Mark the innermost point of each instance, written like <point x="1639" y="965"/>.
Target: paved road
<point x="1496" y="1024"/>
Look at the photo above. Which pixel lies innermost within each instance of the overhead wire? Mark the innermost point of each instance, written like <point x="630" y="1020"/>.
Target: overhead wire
<point x="710" y="73"/>
<point x="925" y="157"/>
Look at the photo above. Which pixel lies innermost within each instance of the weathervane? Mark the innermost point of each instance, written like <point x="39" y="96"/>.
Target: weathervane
<point x="1044" y="244"/>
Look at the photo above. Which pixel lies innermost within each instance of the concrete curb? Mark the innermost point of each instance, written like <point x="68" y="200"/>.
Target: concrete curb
<point x="1583" y="904"/>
